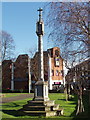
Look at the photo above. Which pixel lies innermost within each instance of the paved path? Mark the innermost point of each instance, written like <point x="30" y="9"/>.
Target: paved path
<point x="14" y="98"/>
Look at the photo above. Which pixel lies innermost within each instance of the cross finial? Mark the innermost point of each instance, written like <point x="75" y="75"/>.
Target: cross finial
<point x="40" y="14"/>
<point x="40" y="9"/>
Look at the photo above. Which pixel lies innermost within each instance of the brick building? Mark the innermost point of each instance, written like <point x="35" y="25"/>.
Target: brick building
<point x="6" y="74"/>
<point x="53" y="70"/>
<point x="53" y="67"/>
<point x="80" y="72"/>
<point x="21" y="72"/>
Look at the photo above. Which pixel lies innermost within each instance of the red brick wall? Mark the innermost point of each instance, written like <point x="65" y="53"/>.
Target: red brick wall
<point x="34" y="66"/>
<point x="6" y="74"/>
<point x="21" y="67"/>
<point x="54" y="67"/>
<point x="21" y="85"/>
<point x="21" y="72"/>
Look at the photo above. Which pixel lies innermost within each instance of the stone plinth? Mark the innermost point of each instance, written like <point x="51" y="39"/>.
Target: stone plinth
<point x="41" y="108"/>
<point x="41" y="91"/>
<point x="41" y="105"/>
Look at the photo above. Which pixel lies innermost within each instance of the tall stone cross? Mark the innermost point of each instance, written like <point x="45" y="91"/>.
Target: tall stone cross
<point x="41" y="86"/>
<point x="40" y="33"/>
<point x="41" y="104"/>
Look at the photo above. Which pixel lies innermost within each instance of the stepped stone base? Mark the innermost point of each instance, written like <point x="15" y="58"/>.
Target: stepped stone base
<point x="42" y="108"/>
<point x="41" y="105"/>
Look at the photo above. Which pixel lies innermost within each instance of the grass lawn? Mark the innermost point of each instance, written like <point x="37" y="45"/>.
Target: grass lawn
<point x="10" y="109"/>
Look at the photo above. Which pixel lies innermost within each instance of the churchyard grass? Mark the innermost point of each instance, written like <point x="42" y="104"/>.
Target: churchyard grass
<point x="9" y="110"/>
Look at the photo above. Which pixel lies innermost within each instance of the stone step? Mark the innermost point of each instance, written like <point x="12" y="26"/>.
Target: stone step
<point x="60" y="112"/>
<point x="44" y="113"/>
<point x="41" y="113"/>
<point x="49" y="103"/>
<point x="41" y="99"/>
<point x="41" y="103"/>
<point x="42" y="108"/>
<point x="36" y="108"/>
<point x="55" y="107"/>
<point x="35" y="103"/>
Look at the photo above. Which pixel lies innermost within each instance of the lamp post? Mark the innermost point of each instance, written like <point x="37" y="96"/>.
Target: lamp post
<point x="29" y="73"/>
<point x="12" y="76"/>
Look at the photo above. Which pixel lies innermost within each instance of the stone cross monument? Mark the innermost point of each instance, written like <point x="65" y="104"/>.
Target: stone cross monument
<point x="41" y="105"/>
<point x="41" y="86"/>
<point x="40" y="33"/>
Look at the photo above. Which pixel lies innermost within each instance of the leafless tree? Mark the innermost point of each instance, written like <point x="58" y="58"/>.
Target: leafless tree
<point x="68" y="24"/>
<point x="7" y="44"/>
<point x="69" y="29"/>
<point x="31" y="52"/>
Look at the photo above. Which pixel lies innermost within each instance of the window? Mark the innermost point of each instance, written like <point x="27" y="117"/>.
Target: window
<point x="57" y="73"/>
<point x="82" y="68"/>
<point x="57" y="61"/>
<point x="56" y="52"/>
<point x="52" y="72"/>
<point x="61" y="72"/>
<point x="82" y="73"/>
<point x="86" y="67"/>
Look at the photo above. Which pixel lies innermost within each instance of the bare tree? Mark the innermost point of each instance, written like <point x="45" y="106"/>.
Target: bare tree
<point x="7" y="44"/>
<point x="32" y="51"/>
<point x="69" y="28"/>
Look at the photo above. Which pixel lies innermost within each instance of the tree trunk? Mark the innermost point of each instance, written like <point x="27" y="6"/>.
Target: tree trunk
<point x="80" y="105"/>
<point x="67" y="91"/>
